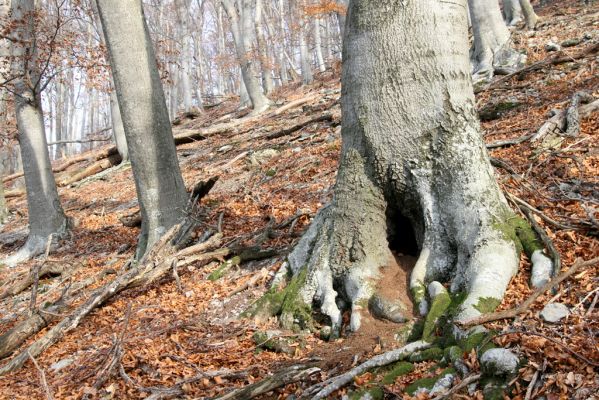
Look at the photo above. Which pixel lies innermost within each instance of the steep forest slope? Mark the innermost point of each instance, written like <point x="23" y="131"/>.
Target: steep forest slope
<point x="184" y="332"/>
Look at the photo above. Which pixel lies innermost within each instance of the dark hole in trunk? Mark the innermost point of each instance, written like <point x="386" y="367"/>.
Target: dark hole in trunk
<point x="401" y="235"/>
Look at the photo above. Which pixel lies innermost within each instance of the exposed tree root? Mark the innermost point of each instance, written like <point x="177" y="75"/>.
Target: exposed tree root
<point x="157" y="263"/>
<point x="525" y="306"/>
<point x="295" y="373"/>
<point x="324" y="389"/>
<point x="326" y="117"/>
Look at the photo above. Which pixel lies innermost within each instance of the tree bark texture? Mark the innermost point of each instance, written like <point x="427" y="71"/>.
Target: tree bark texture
<point x="158" y="180"/>
<point x="413" y="165"/>
<point x="46" y="216"/>
<point x="492" y="49"/>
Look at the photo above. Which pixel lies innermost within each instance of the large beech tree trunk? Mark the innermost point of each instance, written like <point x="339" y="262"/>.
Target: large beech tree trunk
<point x="160" y="187"/>
<point x="413" y="166"/>
<point x="530" y="17"/>
<point x="492" y="48"/>
<point x="46" y="216"/>
<point x="512" y="12"/>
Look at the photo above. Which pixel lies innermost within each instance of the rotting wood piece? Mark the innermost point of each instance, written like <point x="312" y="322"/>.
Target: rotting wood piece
<point x="48" y="269"/>
<point x="93" y="169"/>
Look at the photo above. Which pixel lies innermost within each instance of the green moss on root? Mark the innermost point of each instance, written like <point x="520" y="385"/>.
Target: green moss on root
<point x="418" y="293"/>
<point x="400" y="368"/>
<point x="224" y="268"/>
<point x="433" y="353"/>
<point x="286" y="303"/>
<point x="519" y="231"/>
<point x="376" y="393"/>
<point x="427" y="383"/>
<point x="439" y="306"/>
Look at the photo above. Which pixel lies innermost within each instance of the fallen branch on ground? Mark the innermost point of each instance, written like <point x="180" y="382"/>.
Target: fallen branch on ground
<point x="377" y="361"/>
<point x="26" y="279"/>
<point x="557" y="59"/>
<point x="525" y="306"/>
<point x="558" y="124"/>
<point x="549" y="245"/>
<point x="155" y="264"/>
<point x="288" y="375"/>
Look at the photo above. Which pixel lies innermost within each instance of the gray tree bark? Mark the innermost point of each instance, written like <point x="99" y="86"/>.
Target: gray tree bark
<point x="318" y="45"/>
<point x="530" y="17"/>
<point x="240" y="16"/>
<point x="158" y="180"/>
<point x="267" y="82"/>
<point x="46" y="216"/>
<point x="512" y="12"/>
<point x="4" y="72"/>
<point x="492" y="48"/>
<point x="413" y="164"/>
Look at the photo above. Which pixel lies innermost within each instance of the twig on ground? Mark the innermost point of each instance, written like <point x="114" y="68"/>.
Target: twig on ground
<point x="509" y="142"/>
<point x="513" y="312"/>
<point x="288" y="375"/>
<point x="533" y="381"/>
<point x="523" y="203"/>
<point x="549" y="245"/>
<point x="42" y="377"/>
<point x="552" y="340"/>
<point x="377" y="361"/>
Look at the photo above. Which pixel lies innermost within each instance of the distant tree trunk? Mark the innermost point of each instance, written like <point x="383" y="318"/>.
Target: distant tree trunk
<point x="263" y="50"/>
<point x="318" y="45"/>
<point x="58" y="121"/>
<point x="186" y="53"/>
<point x="341" y="17"/>
<point x="240" y="15"/>
<point x="118" y="132"/>
<point x="46" y="216"/>
<point x="530" y="17"/>
<point x="413" y="167"/>
<point x="3" y="207"/>
<point x="160" y="188"/>
<point x="492" y="44"/>
<point x="512" y="12"/>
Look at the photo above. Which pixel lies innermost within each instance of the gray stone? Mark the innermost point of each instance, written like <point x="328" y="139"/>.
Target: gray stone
<point x="58" y="365"/>
<point x="554" y="312"/>
<point x="442" y="385"/>
<point x="261" y="156"/>
<point x="551" y="46"/>
<point x="225" y="148"/>
<point x="499" y="362"/>
<point x="392" y="310"/>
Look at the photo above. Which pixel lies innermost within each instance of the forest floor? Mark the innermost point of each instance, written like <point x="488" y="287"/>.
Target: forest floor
<point x="274" y="173"/>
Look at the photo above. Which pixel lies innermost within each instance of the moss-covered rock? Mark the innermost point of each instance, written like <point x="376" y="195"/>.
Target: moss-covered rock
<point x="427" y="383"/>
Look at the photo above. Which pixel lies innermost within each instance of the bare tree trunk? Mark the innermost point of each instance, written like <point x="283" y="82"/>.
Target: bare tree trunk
<point x="241" y="28"/>
<point x="413" y="168"/>
<point x="530" y="17"/>
<point x="318" y="46"/>
<point x="3" y="206"/>
<point x="492" y="48"/>
<point x="160" y="187"/>
<point x="46" y="216"/>
<point x="512" y="12"/>
<point x="341" y="17"/>
<point x="263" y="50"/>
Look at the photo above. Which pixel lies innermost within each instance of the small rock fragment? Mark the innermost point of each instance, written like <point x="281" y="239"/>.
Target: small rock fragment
<point x="58" y="365"/>
<point x="554" y="312"/>
<point x="551" y="46"/>
<point x="393" y="311"/>
<point x="499" y="362"/>
<point x="225" y="148"/>
<point x="571" y="42"/>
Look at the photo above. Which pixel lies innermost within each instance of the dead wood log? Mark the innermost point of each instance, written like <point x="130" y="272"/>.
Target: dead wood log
<point x="558" y="124"/>
<point x="559" y="58"/>
<point x="93" y="169"/>
<point x="26" y="280"/>
<point x="155" y="264"/>
<point x="326" y="388"/>
<point x="525" y="306"/>
<point x="39" y="319"/>
<point x="284" y="377"/>
<point x="14" y="193"/>
<point x="326" y="117"/>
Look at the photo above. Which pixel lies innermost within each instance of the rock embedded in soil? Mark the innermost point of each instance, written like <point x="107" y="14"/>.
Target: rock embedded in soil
<point x="571" y="42"/>
<point x="498" y="362"/>
<point x="551" y="46"/>
<point x="554" y="312"/>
